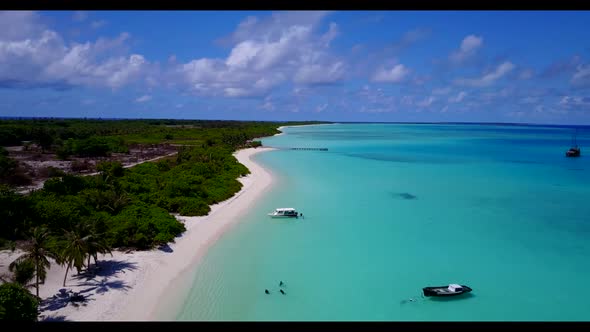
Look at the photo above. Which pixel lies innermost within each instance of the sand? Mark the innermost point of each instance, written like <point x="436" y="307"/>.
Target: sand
<point x="130" y="286"/>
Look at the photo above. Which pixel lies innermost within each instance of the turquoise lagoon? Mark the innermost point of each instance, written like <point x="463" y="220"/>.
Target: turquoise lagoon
<point x="391" y="208"/>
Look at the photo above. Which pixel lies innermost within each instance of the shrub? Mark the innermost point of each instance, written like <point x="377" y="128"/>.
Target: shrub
<point x="143" y="226"/>
<point x="18" y="303"/>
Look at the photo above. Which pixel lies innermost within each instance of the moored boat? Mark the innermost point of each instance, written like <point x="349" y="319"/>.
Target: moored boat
<point x="574" y="151"/>
<point x="284" y="213"/>
<point x="450" y="290"/>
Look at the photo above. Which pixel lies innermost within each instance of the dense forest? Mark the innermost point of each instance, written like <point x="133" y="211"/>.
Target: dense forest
<point x="72" y="218"/>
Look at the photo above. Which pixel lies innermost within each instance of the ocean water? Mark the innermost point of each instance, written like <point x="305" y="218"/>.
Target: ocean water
<point x="392" y="208"/>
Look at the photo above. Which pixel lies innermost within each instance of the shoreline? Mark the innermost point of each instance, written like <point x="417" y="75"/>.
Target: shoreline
<point x="142" y="277"/>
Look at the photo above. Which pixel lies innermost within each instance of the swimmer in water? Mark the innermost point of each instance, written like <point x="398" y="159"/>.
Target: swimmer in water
<point x="266" y="291"/>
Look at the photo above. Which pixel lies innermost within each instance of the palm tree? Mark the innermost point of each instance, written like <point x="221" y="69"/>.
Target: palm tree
<point x="96" y="241"/>
<point x="24" y="271"/>
<point x="38" y="251"/>
<point x="73" y="251"/>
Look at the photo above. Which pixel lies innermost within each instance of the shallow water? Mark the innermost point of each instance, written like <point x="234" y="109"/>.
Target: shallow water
<point x="390" y="209"/>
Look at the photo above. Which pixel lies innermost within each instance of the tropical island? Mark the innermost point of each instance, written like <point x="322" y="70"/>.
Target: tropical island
<point x="75" y="190"/>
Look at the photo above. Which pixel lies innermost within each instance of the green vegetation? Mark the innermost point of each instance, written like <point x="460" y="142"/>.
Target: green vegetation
<point x="74" y="218"/>
<point x="17" y="303"/>
<point x="10" y="171"/>
<point x="36" y="254"/>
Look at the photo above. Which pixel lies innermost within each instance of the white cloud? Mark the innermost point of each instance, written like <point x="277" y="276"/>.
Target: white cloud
<point x="407" y="100"/>
<point x="489" y="78"/>
<point x="575" y="102"/>
<point x="468" y="48"/>
<point x="426" y="101"/>
<point x="321" y="108"/>
<point x="266" y="52"/>
<point x="267" y="105"/>
<point x="471" y="43"/>
<point x="19" y="25"/>
<point x="330" y="35"/>
<point x="581" y="75"/>
<point x="43" y="58"/>
<point x="457" y="99"/>
<point x="393" y="75"/>
<point x="318" y="74"/>
<point x="143" y="99"/>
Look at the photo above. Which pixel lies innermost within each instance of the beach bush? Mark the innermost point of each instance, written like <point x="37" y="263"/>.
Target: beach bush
<point x="18" y="303"/>
<point x="132" y="204"/>
<point x="15" y="214"/>
<point x="189" y="206"/>
<point x="143" y="226"/>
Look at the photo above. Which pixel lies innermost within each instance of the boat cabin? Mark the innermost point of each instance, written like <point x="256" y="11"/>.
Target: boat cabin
<point x="455" y="288"/>
<point x="284" y="212"/>
<point x="573" y="152"/>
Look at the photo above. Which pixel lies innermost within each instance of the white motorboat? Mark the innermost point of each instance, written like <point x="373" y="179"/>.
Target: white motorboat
<point x="284" y="213"/>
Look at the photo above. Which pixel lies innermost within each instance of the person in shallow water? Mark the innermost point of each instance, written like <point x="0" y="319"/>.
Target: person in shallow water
<point x="301" y="215"/>
<point x="282" y="292"/>
<point x="266" y="291"/>
<point x="281" y="284"/>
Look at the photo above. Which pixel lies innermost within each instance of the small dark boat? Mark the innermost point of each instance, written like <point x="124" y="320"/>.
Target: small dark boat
<point x="450" y="290"/>
<point x="574" y="151"/>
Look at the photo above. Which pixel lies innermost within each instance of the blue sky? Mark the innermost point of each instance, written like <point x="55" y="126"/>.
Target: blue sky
<point x="473" y="66"/>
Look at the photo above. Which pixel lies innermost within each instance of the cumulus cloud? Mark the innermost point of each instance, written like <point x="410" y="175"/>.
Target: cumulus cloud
<point x="44" y="58"/>
<point x="267" y="52"/>
<point x="396" y="74"/>
<point x="489" y="78"/>
<point x="18" y="25"/>
<point x="468" y="48"/>
<point x="143" y="99"/>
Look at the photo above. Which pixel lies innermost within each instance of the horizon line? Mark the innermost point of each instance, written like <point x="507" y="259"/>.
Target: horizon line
<point x="287" y="121"/>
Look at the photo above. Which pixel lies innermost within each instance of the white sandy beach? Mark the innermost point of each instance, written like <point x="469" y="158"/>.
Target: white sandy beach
<point x="129" y="286"/>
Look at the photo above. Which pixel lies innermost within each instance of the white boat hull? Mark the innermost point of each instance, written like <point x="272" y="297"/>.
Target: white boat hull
<point x="284" y="213"/>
